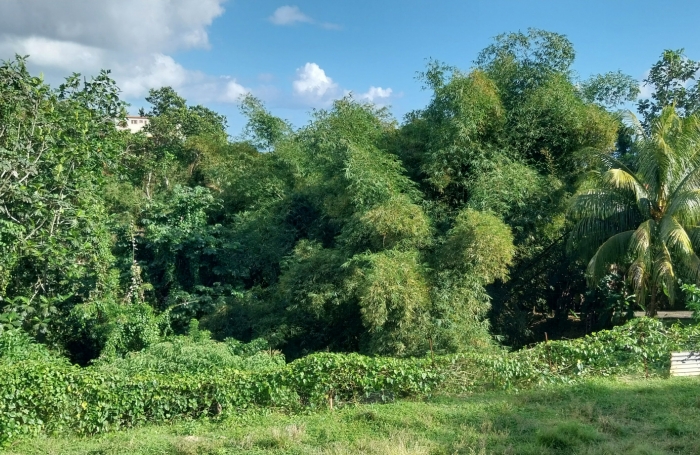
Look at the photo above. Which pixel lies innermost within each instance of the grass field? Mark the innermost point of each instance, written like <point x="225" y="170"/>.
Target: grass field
<point x="660" y="416"/>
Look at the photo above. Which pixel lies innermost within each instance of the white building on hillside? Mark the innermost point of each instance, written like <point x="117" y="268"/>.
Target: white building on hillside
<point x="134" y="123"/>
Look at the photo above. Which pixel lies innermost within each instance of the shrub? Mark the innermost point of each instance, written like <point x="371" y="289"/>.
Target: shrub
<point x="16" y="345"/>
<point x="183" y="355"/>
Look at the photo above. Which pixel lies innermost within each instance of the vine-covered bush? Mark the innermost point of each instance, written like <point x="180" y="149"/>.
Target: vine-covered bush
<point x="37" y="396"/>
<point x="42" y="393"/>
<point x="640" y="347"/>
<point x="17" y="345"/>
<point x="183" y="355"/>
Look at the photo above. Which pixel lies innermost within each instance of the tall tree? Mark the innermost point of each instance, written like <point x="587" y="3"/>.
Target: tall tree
<point x="57" y="149"/>
<point x="671" y="81"/>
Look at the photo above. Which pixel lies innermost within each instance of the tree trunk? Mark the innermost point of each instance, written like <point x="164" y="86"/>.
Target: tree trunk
<point x="651" y="309"/>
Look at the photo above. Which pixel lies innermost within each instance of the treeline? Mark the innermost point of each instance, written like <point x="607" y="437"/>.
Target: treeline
<point x="354" y="233"/>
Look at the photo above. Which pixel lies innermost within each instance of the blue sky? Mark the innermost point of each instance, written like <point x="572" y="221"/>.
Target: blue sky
<point x="300" y="55"/>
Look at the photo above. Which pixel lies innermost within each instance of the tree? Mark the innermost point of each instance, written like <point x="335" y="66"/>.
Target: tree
<point x="644" y="219"/>
<point x="57" y="149"/>
<point x="671" y="77"/>
<point x="610" y="89"/>
<point x="520" y="61"/>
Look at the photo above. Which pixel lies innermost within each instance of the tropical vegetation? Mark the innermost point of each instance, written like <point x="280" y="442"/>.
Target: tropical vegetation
<point x="182" y="273"/>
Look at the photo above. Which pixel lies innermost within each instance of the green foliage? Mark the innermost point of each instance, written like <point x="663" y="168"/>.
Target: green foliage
<point x="396" y="223"/>
<point x="354" y="233"/>
<point x="18" y="346"/>
<point x="692" y="299"/>
<point x="46" y="396"/>
<point x="670" y="79"/>
<point x="263" y="129"/>
<point x="644" y="221"/>
<point x="55" y="148"/>
<point x="193" y="355"/>
<point x="110" y="329"/>
<point x="456" y="128"/>
<point x="579" y="125"/>
<point x="521" y="61"/>
<point x="480" y="245"/>
<point x="610" y="89"/>
<point x="597" y="416"/>
<point x="618" y="304"/>
<point x="51" y="397"/>
<point x="640" y="347"/>
<point x="394" y="300"/>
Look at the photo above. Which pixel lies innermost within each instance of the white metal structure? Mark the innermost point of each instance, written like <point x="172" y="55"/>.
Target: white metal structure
<point x="685" y="364"/>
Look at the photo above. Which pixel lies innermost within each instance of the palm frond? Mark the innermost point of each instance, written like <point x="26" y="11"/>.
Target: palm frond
<point x="674" y="236"/>
<point x="613" y="163"/>
<point x="664" y="275"/>
<point x="631" y="120"/>
<point x="590" y="232"/>
<point x="694" y="234"/>
<point x="610" y="252"/>
<point x="599" y="203"/>
<point x="690" y="268"/>
<point x="622" y="180"/>
<point x="638" y="278"/>
<point x="652" y="215"/>
<point x="642" y="238"/>
<point x="685" y="207"/>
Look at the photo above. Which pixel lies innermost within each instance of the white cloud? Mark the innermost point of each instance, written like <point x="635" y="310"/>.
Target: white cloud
<point x="313" y="85"/>
<point x="375" y="94"/>
<point x="287" y="15"/>
<point x="157" y="70"/>
<point x="234" y="92"/>
<point x="131" y="37"/>
<point x="290" y="15"/>
<point x="143" y="26"/>
<point x="65" y="55"/>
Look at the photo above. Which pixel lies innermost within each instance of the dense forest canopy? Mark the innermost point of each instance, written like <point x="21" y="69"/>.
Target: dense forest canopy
<point x="464" y="223"/>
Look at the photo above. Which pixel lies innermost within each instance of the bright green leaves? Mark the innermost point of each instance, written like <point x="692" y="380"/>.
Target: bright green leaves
<point x="610" y="89"/>
<point x="457" y="130"/>
<point x="480" y="245"/>
<point x="670" y="77"/>
<point x="313" y="278"/>
<point x="550" y="123"/>
<point x="341" y="156"/>
<point x="263" y="129"/>
<point x="397" y="223"/>
<point x="363" y="272"/>
<point x="537" y="51"/>
<point x="394" y="299"/>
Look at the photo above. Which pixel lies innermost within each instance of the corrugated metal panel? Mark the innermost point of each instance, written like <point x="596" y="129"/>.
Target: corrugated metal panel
<point x="685" y="364"/>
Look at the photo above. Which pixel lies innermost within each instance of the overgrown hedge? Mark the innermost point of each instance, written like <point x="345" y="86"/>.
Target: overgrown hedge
<point x="641" y="347"/>
<point x="36" y="396"/>
<point x="44" y="395"/>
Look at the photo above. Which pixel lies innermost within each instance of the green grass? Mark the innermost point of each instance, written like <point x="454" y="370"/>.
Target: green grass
<point x="643" y="417"/>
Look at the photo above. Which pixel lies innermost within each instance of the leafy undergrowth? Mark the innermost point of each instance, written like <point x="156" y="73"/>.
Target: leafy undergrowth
<point x="655" y="416"/>
<point x="186" y="378"/>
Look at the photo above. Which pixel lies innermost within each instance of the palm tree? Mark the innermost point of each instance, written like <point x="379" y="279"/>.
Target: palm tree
<point x="644" y="218"/>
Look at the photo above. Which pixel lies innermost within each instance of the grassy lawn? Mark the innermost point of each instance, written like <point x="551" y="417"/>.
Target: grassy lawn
<point x="598" y="417"/>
